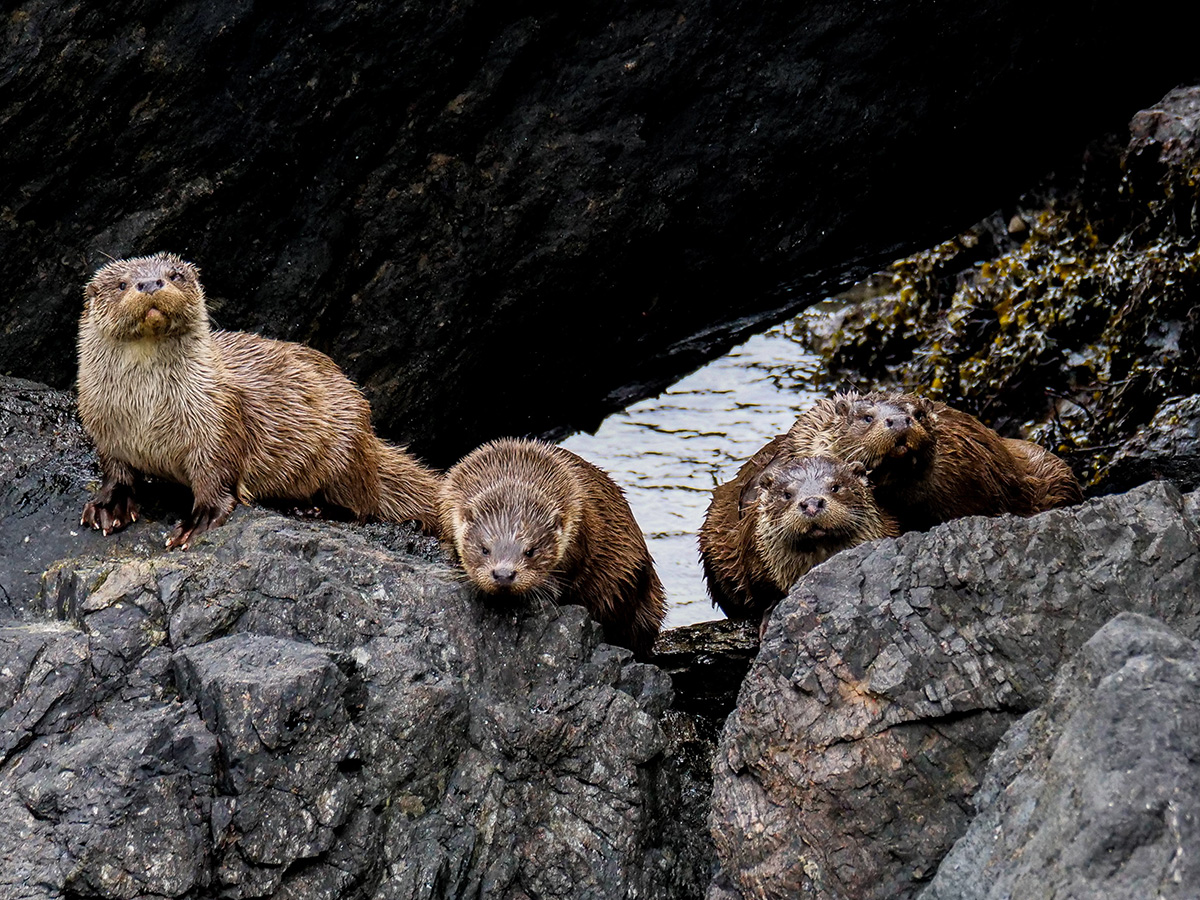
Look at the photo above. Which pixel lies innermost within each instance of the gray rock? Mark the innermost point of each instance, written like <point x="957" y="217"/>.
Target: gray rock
<point x="305" y="709"/>
<point x="1096" y="795"/>
<point x="1168" y="447"/>
<point x="889" y="674"/>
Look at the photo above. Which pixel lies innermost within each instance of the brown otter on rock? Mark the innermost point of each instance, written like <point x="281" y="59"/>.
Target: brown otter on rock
<point x="529" y="519"/>
<point x="779" y="517"/>
<point x="930" y="463"/>
<point x="232" y="415"/>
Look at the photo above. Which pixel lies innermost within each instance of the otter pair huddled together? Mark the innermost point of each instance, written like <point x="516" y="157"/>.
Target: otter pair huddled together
<point x="236" y="416"/>
<point x="857" y="467"/>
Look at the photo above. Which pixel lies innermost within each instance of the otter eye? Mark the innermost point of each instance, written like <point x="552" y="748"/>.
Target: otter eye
<point x="529" y="552"/>
<point x="834" y="488"/>
<point x="175" y="275"/>
<point x="787" y="495"/>
<point x="484" y="550"/>
<point x="868" y="418"/>
<point x="122" y="285"/>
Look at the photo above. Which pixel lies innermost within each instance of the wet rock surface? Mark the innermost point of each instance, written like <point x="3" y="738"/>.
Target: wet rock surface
<point x="1097" y="793"/>
<point x="419" y="189"/>
<point x="298" y="708"/>
<point x="889" y="674"/>
<point x="1167" y="447"/>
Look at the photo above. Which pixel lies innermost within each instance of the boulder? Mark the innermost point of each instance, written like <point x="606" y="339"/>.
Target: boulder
<point x="888" y="675"/>
<point x="299" y="708"/>
<point x="1096" y="794"/>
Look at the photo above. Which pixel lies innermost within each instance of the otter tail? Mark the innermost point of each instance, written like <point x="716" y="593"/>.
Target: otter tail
<point x="407" y="489"/>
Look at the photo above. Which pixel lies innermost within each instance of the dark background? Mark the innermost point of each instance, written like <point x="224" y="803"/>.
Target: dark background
<point x="512" y="218"/>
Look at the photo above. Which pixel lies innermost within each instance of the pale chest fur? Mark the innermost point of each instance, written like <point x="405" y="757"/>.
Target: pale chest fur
<point x="149" y="403"/>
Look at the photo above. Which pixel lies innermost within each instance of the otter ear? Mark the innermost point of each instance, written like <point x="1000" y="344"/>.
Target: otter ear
<point x="841" y="405"/>
<point x="558" y="524"/>
<point x="859" y="471"/>
<point x="756" y="487"/>
<point x="91" y="291"/>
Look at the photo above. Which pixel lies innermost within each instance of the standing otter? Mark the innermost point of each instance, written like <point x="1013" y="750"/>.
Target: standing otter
<point x="929" y="462"/>
<point x="232" y="415"/>
<point x="779" y="517"/>
<point x="528" y="519"/>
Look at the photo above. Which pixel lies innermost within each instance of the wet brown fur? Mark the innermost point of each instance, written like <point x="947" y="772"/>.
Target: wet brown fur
<point x="232" y="415"/>
<point x="757" y="539"/>
<point x="553" y="526"/>
<point x="930" y="463"/>
<point x="1051" y="480"/>
<point x="891" y="434"/>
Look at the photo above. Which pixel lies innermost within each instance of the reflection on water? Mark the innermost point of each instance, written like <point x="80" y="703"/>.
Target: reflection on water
<point x="669" y="452"/>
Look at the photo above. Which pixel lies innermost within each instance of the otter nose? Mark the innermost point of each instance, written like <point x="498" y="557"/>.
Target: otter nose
<point x="504" y="575"/>
<point x="897" y="422"/>
<point x="149" y="287"/>
<point x="810" y="506"/>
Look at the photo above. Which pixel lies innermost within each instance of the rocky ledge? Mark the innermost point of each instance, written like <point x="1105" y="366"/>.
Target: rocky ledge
<point x="300" y="708"/>
<point x="885" y="680"/>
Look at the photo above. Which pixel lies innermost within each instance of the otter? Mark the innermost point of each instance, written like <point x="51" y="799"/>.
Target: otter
<point x="234" y="416"/>
<point x="527" y="519"/>
<point x="928" y="462"/>
<point x="890" y="434"/>
<point x="776" y="519"/>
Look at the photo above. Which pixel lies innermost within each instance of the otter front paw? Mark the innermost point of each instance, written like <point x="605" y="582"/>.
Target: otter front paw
<point x="112" y="509"/>
<point x="201" y="520"/>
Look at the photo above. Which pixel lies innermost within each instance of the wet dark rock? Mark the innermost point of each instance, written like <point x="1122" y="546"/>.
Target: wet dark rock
<point x="889" y="674"/>
<point x="299" y="708"/>
<point x="584" y="199"/>
<point x="1097" y="793"/>
<point x="1168" y="447"/>
<point x="1071" y="332"/>
<point x="707" y="663"/>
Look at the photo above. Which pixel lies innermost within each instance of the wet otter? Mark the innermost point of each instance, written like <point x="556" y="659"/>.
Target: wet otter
<point x="928" y="462"/>
<point x="890" y="434"/>
<point x="779" y="517"/>
<point x="232" y="415"/>
<point x="529" y="519"/>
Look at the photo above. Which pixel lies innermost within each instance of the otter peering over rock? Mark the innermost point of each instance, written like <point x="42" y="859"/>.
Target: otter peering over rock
<point x="779" y="517"/>
<point x="929" y="462"/>
<point x="529" y="519"/>
<point x="232" y="415"/>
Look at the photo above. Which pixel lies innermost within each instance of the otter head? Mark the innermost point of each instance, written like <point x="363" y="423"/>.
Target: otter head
<point x="510" y="542"/>
<point x="145" y="297"/>
<point x="891" y="434"/>
<point x="809" y="508"/>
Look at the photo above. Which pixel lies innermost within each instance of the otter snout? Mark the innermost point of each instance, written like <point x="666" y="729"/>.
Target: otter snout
<point x="898" y="422"/>
<point x="504" y="576"/>
<point x="812" y="506"/>
<point x="150" y="285"/>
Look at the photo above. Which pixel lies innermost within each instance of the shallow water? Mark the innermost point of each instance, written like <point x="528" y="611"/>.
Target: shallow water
<point x="668" y="452"/>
